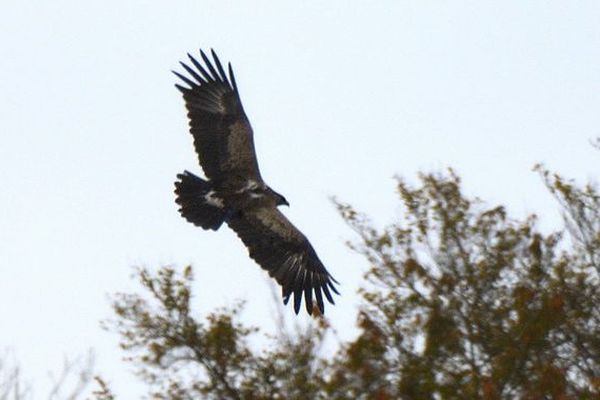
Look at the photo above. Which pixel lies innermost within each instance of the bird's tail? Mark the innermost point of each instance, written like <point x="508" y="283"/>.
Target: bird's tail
<point x="198" y="202"/>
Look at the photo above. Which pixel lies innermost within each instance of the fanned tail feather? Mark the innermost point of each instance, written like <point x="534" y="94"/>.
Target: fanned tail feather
<point x="197" y="204"/>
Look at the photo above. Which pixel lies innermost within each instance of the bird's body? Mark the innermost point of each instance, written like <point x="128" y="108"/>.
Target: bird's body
<point x="234" y="191"/>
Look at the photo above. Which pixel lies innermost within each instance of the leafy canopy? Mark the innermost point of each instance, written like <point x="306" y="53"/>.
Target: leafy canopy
<point x="460" y="301"/>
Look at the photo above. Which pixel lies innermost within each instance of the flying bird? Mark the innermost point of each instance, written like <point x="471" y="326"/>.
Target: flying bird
<point x="234" y="192"/>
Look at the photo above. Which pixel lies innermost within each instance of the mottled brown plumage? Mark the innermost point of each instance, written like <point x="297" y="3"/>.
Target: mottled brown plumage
<point x="235" y="192"/>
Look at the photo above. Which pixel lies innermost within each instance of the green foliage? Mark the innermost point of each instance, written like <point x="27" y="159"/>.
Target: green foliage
<point x="473" y="304"/>
<point x="103" y="392"/>
<point x="460" y="302"/>
<point x="181" y="357"/>
<point x="581" y="212"/>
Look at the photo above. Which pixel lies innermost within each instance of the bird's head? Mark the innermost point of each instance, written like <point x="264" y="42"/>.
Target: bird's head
<point x="279" y="199"/>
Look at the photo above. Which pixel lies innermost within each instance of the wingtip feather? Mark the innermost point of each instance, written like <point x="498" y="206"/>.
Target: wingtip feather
<point x="327" y="294"/>
<point x="232" y="77"/>
<point x="222" y="73"/>
<point x="308" y="298"/>
<point x="319" y="297"/>
<point x="187" y="81"/>
<point x="332" y="287"/>
<point x="297" y="300"/>
<point x="200" y="68"/>
<point x="193" y="73"/>
<point x="182" y="89"/>
<point x="210" y="67"/>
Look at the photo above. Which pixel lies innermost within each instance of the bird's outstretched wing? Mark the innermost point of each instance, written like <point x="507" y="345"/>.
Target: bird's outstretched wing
<point x="222" y="133"/>
<point x="281" y="249"/>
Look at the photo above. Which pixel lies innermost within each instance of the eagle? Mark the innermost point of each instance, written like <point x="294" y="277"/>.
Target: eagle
<point x="234" y="192"/>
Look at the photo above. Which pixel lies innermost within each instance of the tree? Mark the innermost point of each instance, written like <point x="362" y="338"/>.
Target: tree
<point x="472" y="304"/>
<point x="460" y="302"/>
<point x="11" y="383"/>
<point x="70" y="383"/>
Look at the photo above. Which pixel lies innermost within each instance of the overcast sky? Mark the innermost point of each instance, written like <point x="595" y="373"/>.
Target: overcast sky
<point x="341" y="96"/>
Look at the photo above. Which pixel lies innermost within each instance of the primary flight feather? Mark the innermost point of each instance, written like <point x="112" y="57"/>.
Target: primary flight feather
<point x="234" y="191"/>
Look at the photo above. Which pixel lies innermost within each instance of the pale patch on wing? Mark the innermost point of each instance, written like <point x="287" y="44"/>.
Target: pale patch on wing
<point x="275" y="219"/>
<point x="212" y="199"/>
<point x="294" y="262"/>
<point x="240" y="147"/>
<point x="250" y="186"/>
<point x="293" y="259"/>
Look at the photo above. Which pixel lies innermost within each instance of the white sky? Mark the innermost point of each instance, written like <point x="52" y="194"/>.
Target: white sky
<point x="341" y="96"/>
